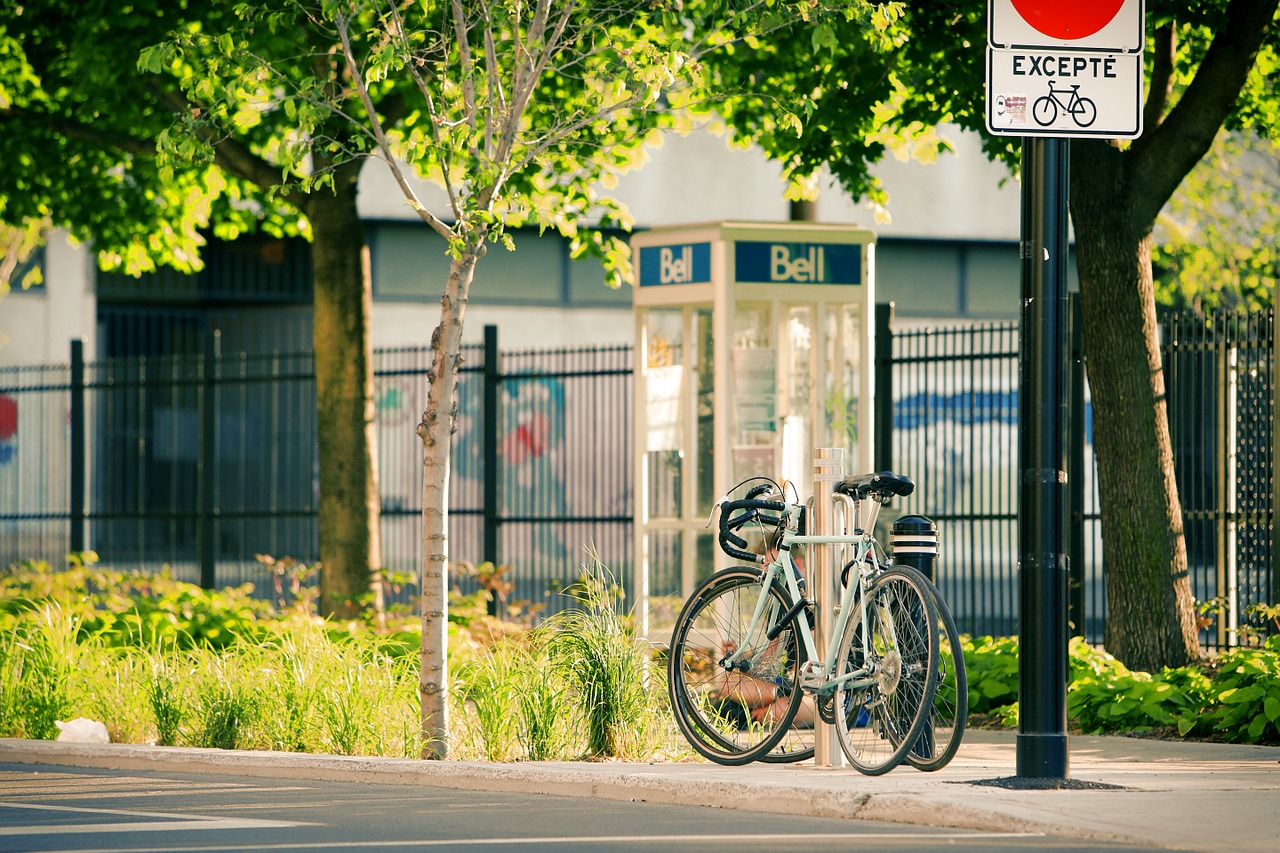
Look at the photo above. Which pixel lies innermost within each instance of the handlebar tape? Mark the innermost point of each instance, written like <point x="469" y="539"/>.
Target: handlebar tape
<point x="735" y="545"/>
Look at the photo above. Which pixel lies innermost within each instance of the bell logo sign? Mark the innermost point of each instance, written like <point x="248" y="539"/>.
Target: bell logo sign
<point x="673" y="270"/>
<point x="806" y="269"/>
<point x="687" y="263"/>
<point x="798" y="263"/>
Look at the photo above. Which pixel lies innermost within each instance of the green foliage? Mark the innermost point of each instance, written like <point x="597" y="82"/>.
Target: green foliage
<point x="163" y="688"/>
<point x="1215" y="241"/>
<point x="287" y="681"/>
<point x="39" y="661"/>
<point x="1235" y="697"/>
<point x="1243" y="700"/>
<point x="124" y="608"/>
<point x="606" y="667"/>
<point x="992" y="667"/>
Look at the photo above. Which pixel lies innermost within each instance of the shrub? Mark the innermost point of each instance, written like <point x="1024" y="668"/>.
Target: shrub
<point x="1243" y="700"/>
<point x="992" y="669"/>
<point x="605" y="666"/>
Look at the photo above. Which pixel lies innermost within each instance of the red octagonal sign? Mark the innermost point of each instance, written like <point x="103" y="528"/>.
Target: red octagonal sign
<point x="1108" y="25"/>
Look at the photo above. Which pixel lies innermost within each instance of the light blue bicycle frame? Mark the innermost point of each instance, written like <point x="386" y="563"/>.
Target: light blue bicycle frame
<point x="782" y="568"/>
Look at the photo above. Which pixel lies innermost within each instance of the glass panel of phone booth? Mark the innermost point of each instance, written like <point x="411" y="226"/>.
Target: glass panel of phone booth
<point x="797" y="394"/>
<point x="664" y="378"/>
<point x="753" y="415"/>
<point x="842" y="394"/>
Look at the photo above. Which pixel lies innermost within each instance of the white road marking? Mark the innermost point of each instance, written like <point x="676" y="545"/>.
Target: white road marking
<point x="161" y="821"/>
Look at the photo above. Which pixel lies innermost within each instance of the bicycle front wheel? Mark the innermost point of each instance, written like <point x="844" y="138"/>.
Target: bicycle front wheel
<point x="944" y="728"/>
<point x="891" y="660"/>
<point x="733" y="709"/>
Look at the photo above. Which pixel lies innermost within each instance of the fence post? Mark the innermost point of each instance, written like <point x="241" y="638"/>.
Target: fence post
<point x="79" y="507"/>
<point x="1226" y="353"/>
<point x="492" y="472"/>
<point x="206" y="478"/>
<point x="1075" y="475"/>
<point x="1275" y="451"/>
<point x="884" y="387"/>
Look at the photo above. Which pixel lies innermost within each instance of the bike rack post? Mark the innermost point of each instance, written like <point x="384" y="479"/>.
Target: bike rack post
<point x="828" y="469"/>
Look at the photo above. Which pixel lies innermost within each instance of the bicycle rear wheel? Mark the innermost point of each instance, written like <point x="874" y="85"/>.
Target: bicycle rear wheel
<point x="734" y="717"/>
<point x="944" y="728"/>
<point x="881" y="713"/>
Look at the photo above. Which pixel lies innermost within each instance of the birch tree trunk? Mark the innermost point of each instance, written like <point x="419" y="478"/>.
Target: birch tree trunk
<point x="436" y="431"/>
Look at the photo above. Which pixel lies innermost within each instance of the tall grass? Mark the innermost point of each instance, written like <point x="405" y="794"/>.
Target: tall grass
<point x="606" y="667"/>
<point x="573" y="687"/>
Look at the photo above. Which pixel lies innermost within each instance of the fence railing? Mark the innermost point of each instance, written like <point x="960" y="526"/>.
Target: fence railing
<point x="199" y="462"/>
<point x="954" y="429"/>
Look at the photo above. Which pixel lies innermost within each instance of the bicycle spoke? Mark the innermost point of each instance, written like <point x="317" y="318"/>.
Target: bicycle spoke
<point x="734" y="690"/>
<point x="877" y="723"/>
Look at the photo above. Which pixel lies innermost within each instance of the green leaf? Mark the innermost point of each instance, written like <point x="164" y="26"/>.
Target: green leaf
<point x="993" y="688"/>
<point x="1272" y="708"/>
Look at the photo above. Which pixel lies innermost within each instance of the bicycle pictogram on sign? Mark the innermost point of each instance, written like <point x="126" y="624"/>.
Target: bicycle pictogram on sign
<point x="1082" y="110"/>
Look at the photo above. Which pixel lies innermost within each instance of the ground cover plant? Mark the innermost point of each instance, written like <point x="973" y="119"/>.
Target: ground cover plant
<point x="160" y="661"/>
<point x="1234" y="697"/>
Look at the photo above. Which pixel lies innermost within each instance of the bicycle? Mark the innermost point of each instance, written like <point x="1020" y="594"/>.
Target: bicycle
<point x="743" y="656"/>
<point x="945" y="728"/>
<point x="1083" y="111"/>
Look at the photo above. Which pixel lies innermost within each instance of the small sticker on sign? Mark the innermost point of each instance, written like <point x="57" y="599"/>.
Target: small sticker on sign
<point x="1010" y="110"/>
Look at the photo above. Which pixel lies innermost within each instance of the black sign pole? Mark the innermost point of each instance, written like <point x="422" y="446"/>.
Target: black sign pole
<point x="1042" y="425"/>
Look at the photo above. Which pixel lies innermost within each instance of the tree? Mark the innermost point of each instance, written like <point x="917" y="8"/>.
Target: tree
<point x="523" y="112"/>
<point x="82" y="129"/>
<point x="1215" y="242"/>
<point x="1210" y="65"/>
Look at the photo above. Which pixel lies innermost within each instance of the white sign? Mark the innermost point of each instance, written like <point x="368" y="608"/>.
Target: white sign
<point x="1065" y="94"/>
<point x="1114" y="26"/>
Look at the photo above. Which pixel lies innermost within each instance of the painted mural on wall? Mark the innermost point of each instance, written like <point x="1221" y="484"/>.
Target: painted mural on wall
<point x="8" y="429"/>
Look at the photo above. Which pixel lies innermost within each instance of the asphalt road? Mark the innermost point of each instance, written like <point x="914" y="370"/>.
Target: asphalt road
<point x="75" y="810"/>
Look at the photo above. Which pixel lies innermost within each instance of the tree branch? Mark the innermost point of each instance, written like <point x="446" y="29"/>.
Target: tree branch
<point x="1165" y="154"/>
<point x="1161" y="77"/>
<point x="433" y="115"/>
<point x="78" y="130"/>
<point x="230" y="154"/>
<point x="380" y="135"/>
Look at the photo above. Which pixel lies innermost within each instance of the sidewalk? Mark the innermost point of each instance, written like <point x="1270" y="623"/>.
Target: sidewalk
<point x="1186" y="796"/>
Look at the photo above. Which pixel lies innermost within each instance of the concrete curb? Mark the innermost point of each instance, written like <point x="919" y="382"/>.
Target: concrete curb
<point x="764" y="789"/>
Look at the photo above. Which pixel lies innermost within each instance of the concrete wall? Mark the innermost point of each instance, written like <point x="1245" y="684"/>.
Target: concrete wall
<point x="36" y="325"/>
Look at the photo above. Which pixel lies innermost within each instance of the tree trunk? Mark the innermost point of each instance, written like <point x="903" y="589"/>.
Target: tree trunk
<point x="1151" y="614"/>
<point x="436" y="430"/>
<point x="350" y="550"/>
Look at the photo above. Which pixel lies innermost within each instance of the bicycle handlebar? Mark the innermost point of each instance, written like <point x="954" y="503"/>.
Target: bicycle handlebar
<point x="730" y="542"/>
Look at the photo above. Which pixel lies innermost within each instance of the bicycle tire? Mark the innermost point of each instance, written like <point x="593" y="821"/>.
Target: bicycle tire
<point x="718" y="724"/>
<point x="876" y="724"/>
<point x="944" y="730"/>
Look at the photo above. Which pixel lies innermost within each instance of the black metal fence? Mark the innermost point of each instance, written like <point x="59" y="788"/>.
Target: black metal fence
<point x="200" y="462"/>
<point x="200" y="469"/>
<point x="954" y="429"/>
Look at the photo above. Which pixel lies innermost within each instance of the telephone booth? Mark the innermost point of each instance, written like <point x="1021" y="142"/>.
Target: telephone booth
<point x="753" y="349"/>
